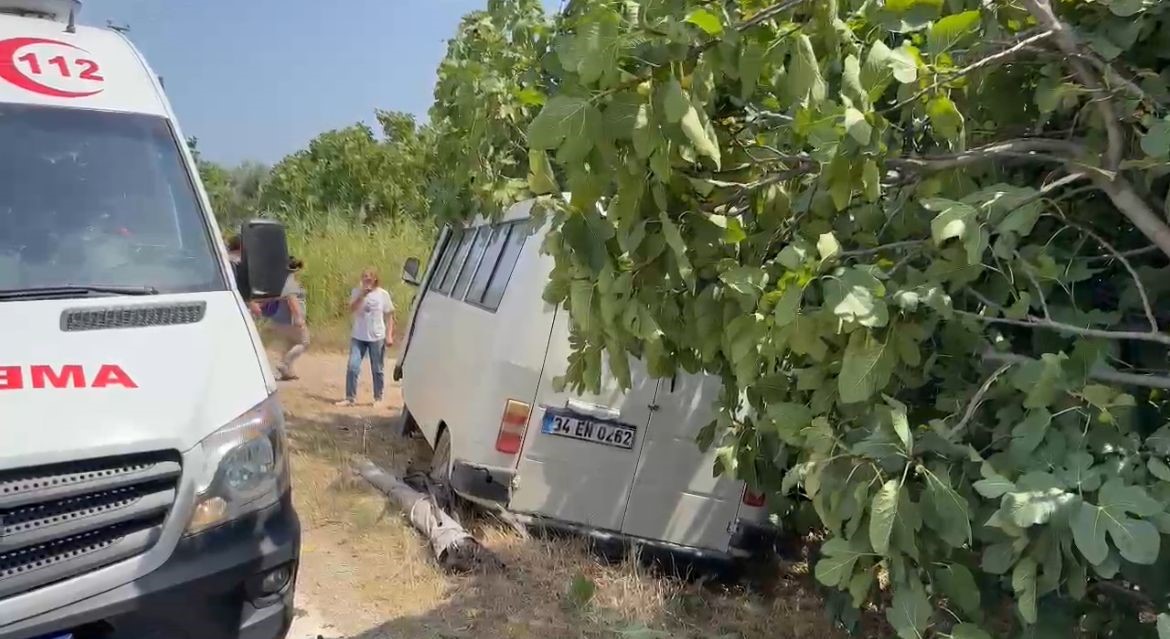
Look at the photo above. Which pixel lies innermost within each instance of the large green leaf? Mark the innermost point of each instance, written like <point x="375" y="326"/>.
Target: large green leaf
<point x="565" y="118"/>
<point x="945" y="118"/>
<point x="751" y="63"/>
<point x="678" y="246"/>
<point x="958" y="584"/>
<point x="1042" y="380"/>
<point x="855" y="296"/>
<point x="541" y="180"/>
<point x="949" y="514"/>
<point x="857" y="127"/>
<point x="706" y="20"/>
<point x="804" y="74"/>
<point x="969" y="631"/>
<point x="1024" y="583"/>
<point x="878" y="71"/>
<point x="951" y="30"/>
<point x="675" y="103"/>
<point x="1038" y="506"/>
<point x="956" y="220"/>
<point x="1028" y="434"/>
<point x="1137" y="540"/>
<point x="699" y="134"/>
<point x="838" y="557"/>
<point x="909" y="613"/>
<point x="883" y="512"/>
<point x="1156" y="141"/>
<point x="904" y="63"/>
<point x="866" y="368"/>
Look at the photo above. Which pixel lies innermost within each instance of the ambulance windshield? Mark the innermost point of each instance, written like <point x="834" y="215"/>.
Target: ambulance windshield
<point x="91" y="198"/>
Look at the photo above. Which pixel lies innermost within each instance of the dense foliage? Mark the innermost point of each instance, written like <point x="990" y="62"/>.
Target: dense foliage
<point x="924" y="244"/>
<point x="487" y="92"/>
<point x="352" y="169"/>
<point x="352" y="173"/>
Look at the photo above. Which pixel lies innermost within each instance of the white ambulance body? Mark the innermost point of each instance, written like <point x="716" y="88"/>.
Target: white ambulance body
<point x="143" y="473"/>
<point x="477" y="376"/>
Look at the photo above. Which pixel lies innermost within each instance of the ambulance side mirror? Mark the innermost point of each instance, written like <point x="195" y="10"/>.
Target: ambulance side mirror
<point x="410" y="271"/>
<point x="264" y="262"/>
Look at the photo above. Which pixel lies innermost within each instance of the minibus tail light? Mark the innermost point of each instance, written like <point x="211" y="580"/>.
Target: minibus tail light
<point x="512" y="427"/>
<point x="753" y="499"/>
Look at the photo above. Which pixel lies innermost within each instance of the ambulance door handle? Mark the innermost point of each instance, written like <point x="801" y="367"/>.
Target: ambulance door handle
<point x="673" y="381"/>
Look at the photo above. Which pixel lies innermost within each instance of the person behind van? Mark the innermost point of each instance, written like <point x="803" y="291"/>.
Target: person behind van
<point x="373" y="332"/>
<point x="235" y="248"/>
<point x="288" y="320"/>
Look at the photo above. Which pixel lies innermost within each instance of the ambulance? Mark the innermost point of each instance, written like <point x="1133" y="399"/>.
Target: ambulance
<point x="144" y="482"/>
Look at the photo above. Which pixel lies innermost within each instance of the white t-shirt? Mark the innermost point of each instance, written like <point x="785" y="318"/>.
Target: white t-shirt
<point x="369" y="321"/>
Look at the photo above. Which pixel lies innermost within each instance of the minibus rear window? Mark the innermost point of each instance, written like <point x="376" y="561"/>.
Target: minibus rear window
<point x="90" y="198"/>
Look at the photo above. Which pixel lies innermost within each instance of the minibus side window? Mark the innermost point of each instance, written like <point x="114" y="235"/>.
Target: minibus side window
<point x="488" y="265"/>
<point x="473" y="262"/>
<point x="503" y="272"/>
<point x="445" y="259"/>
<point x="457" y="262"/>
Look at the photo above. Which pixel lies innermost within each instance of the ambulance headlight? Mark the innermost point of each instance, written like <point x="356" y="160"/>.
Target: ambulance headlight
<point x="245" y="467"/>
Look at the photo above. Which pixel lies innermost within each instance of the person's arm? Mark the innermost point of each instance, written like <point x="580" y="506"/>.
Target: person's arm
<point x="355" y="300"/>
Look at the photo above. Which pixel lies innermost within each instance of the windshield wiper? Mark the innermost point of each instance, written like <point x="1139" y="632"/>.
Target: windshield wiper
<point x="51" y="292"/>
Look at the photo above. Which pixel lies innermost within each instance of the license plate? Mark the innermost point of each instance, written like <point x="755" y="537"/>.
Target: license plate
<point x="588" y="430"/>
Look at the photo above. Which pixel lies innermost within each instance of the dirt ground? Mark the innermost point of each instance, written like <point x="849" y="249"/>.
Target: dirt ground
<point x="366" y="574"/>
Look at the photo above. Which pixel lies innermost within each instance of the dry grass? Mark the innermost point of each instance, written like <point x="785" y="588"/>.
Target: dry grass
<point x="370" y="574"/>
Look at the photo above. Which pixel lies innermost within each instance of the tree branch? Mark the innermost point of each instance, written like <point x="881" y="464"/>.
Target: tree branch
<point x="766" y="14"/>
<point x="1035" y="283"/>
<point x="1099" y="372"/>
<point x="1066" y="41"/>
<point x="973" y="405"/>
<point x="1060" y="327"/>
<point x="1145" y="250"/>
<point x="1132" y="206"/>
<point x="999" y="56"/>
<point x="1149" y="310"/>
<point x="892" y="246"/>
<point x="1022" y="148"/>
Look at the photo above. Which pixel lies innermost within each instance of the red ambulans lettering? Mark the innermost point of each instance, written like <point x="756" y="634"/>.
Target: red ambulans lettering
<point x="41" y="376"/>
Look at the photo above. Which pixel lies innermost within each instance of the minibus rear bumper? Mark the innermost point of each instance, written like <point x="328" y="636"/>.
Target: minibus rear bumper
<point x="233" y="582"/>
<point x="483" y="484"/>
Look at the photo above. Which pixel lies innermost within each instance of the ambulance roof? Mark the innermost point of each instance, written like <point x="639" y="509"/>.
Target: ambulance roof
<point x="42" y="62"/>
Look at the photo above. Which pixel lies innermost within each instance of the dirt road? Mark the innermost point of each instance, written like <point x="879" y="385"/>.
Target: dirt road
<point x="365" y="574"/>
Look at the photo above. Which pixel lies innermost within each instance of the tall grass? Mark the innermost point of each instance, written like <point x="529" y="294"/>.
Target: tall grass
<point x="335" y="250"/>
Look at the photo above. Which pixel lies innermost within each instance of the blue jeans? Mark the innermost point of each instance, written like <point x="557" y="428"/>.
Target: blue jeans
<point x="358" y="349"/>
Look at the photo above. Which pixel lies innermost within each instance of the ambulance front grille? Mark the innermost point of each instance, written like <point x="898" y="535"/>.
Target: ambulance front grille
<point x="132" y="316"/>
<point x="64" y="520"/>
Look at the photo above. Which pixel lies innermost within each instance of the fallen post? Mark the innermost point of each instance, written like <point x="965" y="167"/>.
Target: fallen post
<point x="453" y="547"/>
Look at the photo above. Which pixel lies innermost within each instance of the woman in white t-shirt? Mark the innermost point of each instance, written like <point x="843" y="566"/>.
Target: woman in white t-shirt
<point x="373" y="332"/>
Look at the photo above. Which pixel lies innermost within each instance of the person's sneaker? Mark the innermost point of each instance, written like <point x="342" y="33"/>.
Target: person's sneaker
<point x="344" y="402"/>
